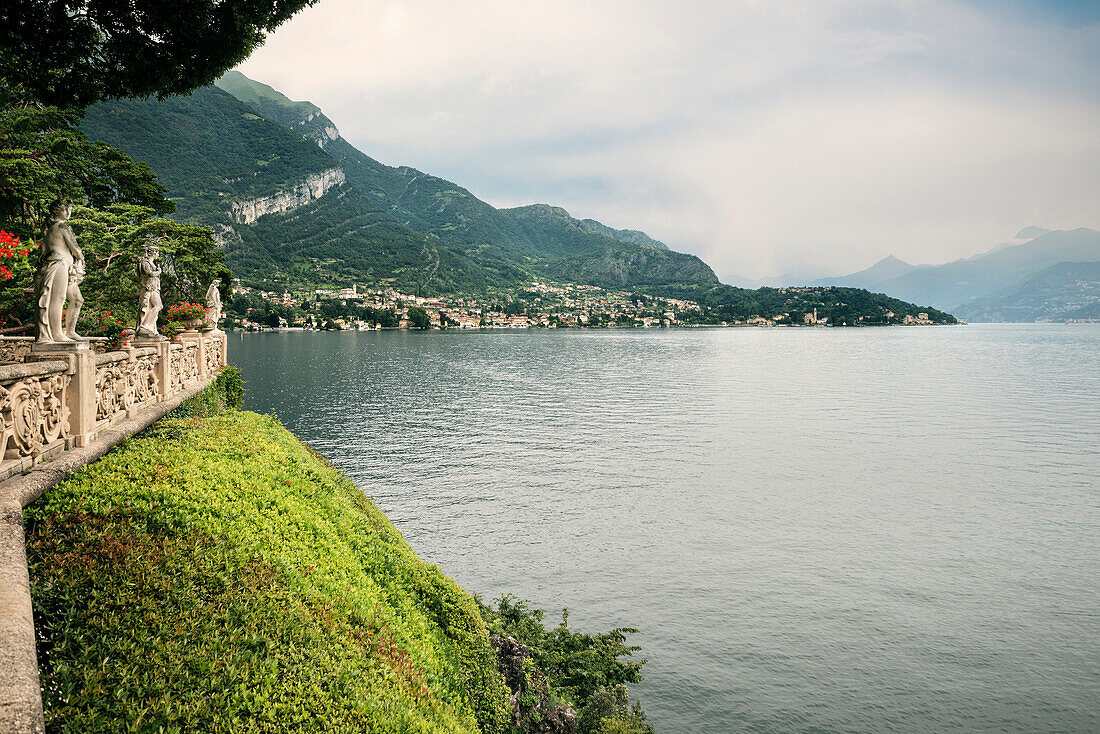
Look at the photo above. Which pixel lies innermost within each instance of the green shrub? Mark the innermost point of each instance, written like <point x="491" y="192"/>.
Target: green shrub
<point x="225" y="393"/>
<point x="213" y="574"/>
<point x="587" y="670"/>
<point x="608" y="711"/>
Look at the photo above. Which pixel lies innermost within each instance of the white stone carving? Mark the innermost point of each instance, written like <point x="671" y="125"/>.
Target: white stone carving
<point x="213" y="305"/>
<point x="149" y="303"/>
<point x="59" y="274"/>
<point x="33" y="415"/>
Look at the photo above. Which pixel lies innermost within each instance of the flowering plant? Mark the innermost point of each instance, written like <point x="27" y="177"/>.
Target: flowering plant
<point x="171" y="329"/>
<point x="112" y="326"/>
<point x="182" y="311"/>
<point x="15" y="256"/>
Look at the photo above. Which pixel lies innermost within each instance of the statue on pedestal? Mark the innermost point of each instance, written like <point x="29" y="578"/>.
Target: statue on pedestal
<point x="149" y="303"/>
<point x="60" y="270"/>
<point x="213" y="305"/>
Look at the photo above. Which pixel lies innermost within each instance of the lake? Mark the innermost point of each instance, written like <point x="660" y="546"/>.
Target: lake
<point x="857" y="530"/>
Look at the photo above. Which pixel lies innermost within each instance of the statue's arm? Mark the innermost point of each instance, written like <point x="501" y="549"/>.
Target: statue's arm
<point x="74" y="248"/>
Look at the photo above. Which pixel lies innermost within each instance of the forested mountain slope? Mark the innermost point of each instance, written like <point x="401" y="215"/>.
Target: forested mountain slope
<point x="1068" y="290"/>
<point x="295" y="203"/>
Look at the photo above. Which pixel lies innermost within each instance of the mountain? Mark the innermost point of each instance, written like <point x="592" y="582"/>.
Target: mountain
<point x="1031" y="232"/>
<point x="293" y="202"/>
<point x="987" y="285"/>
<point x="279" y="204"/>
<point x="540" y="237"/>
<point x="1068" y="290"/>
<point x="558" y="246"/>
<point x="304" y="118"/>
<point x="623" y="235"/>
<point x="885" y="269"/>
<point x="588" y="257"/>
<point x="955" y="284"/>
<point x="788" y="279"/>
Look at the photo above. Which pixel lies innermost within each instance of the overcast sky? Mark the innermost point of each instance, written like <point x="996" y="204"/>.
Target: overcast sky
<point x="767" y="136"/>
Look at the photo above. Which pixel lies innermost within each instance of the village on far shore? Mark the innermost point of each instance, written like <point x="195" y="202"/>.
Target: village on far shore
<point x="541" y="304"/>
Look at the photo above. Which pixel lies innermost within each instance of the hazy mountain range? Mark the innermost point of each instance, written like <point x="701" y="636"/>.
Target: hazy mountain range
<point x="1044" y="275"/>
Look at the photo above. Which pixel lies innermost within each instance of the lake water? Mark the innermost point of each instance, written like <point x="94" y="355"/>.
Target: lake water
<point x="816" y="530"/>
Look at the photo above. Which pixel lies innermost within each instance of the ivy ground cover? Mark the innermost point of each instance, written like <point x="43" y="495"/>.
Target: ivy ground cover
<point x="213" y="574"/>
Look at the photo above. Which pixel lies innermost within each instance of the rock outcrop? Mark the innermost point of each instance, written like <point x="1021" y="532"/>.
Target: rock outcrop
<point x="311" y="189"/>
<point x="532" y="712"/>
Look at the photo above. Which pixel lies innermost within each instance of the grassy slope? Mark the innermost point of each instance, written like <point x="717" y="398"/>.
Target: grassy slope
<point x="214" y="574"/>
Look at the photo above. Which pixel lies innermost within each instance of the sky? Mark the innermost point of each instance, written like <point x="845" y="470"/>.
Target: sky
<point x="765" y="136"/>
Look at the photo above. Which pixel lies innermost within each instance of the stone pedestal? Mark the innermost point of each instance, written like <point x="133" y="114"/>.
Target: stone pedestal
<point x="56" y="350"/>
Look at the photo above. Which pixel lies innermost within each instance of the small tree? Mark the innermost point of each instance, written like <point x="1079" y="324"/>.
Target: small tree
<point x="43" y="156"/>
<point x="419" y="318"/>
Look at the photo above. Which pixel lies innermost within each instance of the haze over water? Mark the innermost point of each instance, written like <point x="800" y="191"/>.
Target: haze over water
<point x="860" y="530"/>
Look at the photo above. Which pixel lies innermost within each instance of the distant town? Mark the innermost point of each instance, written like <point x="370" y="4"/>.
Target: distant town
<point x="546" y="305"/>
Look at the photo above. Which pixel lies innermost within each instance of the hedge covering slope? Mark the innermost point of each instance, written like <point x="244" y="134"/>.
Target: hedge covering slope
<point x="214" y="575"/>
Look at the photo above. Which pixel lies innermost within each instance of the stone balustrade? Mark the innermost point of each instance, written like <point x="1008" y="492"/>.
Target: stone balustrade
<point x="59" y="399"/>
<point x="34" y="413"/>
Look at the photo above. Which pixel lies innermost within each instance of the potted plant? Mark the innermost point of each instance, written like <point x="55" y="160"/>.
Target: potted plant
<point x="189" y="315"/>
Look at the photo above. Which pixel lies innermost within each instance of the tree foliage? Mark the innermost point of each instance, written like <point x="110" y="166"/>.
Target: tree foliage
<point x="72" y="53"/>
<point x="43" y="156"/>
<point x="578" y="666"/>
<point x="112" y="240"/>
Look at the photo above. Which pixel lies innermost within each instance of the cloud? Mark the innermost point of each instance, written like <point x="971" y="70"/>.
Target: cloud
<point x="764" y="136"/>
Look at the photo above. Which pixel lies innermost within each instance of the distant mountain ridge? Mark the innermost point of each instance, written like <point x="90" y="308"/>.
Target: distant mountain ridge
<point x="985" y="286"/>
<point x="885" y="269"/>
<point x="1066" y="291"/>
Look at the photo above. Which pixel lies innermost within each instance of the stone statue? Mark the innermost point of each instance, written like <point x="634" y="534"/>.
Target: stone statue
<point x="76" y="299"/>
<point x="213" y="305"/>
<point x="60" y="270"/>
<point x="149" y="303"/>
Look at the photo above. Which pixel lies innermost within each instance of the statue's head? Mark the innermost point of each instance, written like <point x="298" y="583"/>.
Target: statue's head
<point x="151" y="249"/>
<point x="61" y="209"/>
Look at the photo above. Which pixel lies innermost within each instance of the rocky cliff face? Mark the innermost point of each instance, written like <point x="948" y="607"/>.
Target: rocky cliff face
<point x="318" y="128"/>
<point x="311" y="189"/>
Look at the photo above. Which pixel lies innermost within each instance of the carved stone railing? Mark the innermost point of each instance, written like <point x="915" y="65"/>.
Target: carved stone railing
<point x="62" y="398"/>
<point x="125" y="382"/>
<point x="34" y="413"/>
<point x="14" y="349"/>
